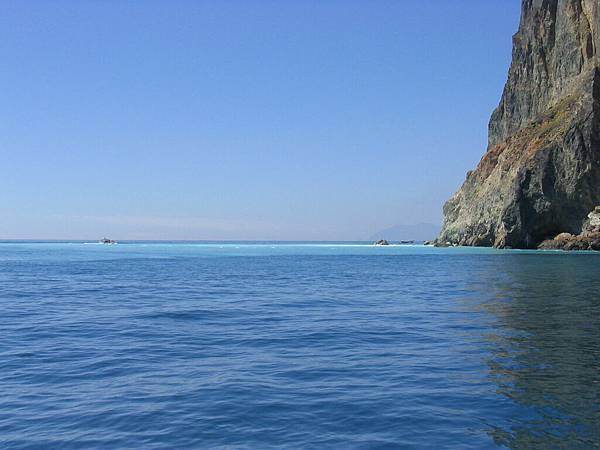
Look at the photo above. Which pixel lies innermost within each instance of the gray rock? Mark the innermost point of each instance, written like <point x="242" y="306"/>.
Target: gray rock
<point x="541" y="173"/>
<point x="382" y="242"/>
<point x="592" y="223"/>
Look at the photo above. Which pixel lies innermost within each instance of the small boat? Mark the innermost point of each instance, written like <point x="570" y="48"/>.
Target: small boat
<point x="107" y="241"/>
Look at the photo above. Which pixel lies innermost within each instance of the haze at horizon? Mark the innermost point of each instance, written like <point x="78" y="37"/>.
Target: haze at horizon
<point x="243" y="120"/>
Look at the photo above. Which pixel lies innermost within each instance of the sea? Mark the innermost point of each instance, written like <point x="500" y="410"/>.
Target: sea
<point x="297" y="345"/>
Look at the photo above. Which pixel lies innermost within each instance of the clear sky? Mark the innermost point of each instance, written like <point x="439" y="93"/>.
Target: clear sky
<point x="248" y="119"/>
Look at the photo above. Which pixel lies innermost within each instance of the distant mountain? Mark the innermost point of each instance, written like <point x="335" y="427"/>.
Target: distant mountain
<point x="418" y="232"/>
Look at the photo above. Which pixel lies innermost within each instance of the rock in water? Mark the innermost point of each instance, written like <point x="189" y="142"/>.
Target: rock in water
<point x="589" y="239"/>
<point x="541" y="173"/>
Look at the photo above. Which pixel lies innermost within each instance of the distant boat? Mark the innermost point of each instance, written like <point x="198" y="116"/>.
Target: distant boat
<point x="407" y="242"/>
<point x="107" y="241"/>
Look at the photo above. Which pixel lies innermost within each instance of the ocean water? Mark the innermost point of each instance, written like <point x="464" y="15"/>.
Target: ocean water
<point x="312" y="346"/>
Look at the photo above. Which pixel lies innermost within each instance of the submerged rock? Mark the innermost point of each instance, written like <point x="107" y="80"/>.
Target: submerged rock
<point x="541" y="173"/>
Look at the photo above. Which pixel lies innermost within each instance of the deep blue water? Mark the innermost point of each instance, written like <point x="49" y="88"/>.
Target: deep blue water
<point x="297" y="346"/>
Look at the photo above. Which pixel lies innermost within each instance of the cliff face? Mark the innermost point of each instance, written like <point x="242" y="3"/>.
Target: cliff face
<point x="541" y="173"/>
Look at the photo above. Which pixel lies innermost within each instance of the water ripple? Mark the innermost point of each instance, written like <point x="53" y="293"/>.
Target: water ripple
<point x="249" y="346"/>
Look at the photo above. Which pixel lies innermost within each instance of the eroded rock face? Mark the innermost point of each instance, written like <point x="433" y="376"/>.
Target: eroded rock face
<point x="541" y="173"/>
<point x="592" y="223"/>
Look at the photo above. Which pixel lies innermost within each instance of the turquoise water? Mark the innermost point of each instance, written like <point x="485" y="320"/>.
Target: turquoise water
<point x="237" y="345"/>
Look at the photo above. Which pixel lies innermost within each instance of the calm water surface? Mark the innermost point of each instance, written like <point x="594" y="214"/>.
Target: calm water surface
<point x="297" y="346"/>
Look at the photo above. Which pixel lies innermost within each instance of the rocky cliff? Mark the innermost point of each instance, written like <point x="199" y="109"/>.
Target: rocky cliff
<point x="540" y="175"/>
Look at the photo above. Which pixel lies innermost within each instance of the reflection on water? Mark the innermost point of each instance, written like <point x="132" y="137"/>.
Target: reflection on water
<point x="546" y="348"/>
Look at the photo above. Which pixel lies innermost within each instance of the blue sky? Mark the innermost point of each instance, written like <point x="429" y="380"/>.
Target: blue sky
<point x="222" y="119"/>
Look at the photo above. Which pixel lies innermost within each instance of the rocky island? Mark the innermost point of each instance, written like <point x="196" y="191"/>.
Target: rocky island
<point x="538" y="184"/>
